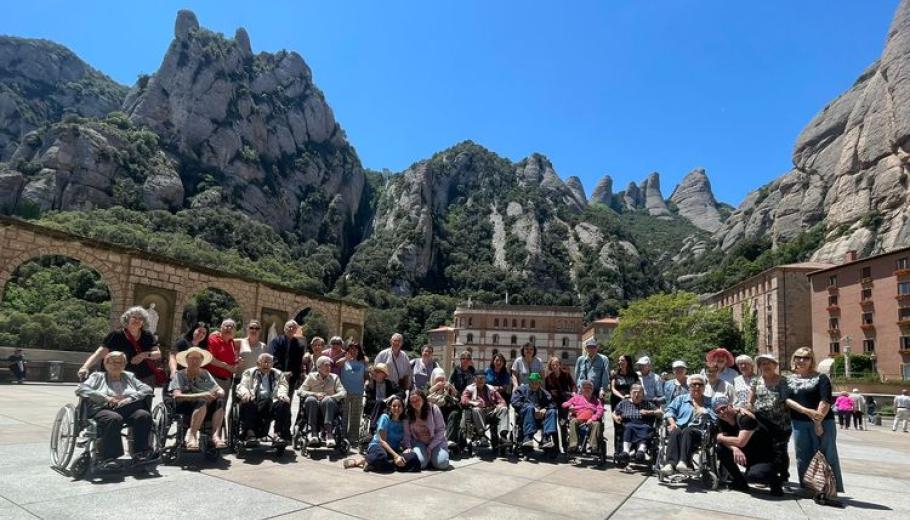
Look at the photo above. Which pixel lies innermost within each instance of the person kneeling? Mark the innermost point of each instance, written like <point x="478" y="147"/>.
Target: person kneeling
<point x="118" y="397"/>
<point x="486" y="405"/>
<point x="637" y="419"/>
<point x="263" y="394"/>
<point x="321" y="393"/>
<point x="585" y="411"/>
<point x="198" y="395"/>
<point x="742" y="441"/>
<point x="536" y="409"/>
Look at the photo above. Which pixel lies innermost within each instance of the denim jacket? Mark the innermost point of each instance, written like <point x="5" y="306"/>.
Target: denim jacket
<point x="682" y="409"/>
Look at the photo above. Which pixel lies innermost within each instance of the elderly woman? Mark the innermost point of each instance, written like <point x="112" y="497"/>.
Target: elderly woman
<point x="118" y="397"/>
<point x="742" y="384"/>
<point x="683" y="414"/>
<point x="379" y="390"/>
<point x="525" y="365"/>
<point x="808" y="395"/>
<point x="678" y="385"/>
<point x="320" y="395"/>
<point x="250" y="348"/>
<point x="422" y="367"/>
<point x="636" y="415"/>
<point x="225" y="362"/>
<point x="770" y="409"/>
<point x="135" y="341"/>
<point x="715" y="384"/>
<point x="498" y="377"/>
<point x="336" y="353"/>
<point x="584" y="409"/>
<point x="843" y="405"/>
<point x="385" y="452"/>
<point x="353" y="379"/>
<point x="425" y="431"/>
<point x="196" y="394"/>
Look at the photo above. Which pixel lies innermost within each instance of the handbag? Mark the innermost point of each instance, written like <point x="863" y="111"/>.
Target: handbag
<point x="819" y="477"/>
<point x="158" y="372"/>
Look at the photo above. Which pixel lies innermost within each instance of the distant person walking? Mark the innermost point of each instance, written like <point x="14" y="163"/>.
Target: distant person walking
<point x="901" y="410"/>
<point x="843" y="405"/>
<point x="859" y="409"/>
<point x="17" y="365"/>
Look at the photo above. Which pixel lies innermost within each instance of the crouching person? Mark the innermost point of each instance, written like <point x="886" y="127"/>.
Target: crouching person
<point x="742" y="441"/>
<point x="263" y="394"/>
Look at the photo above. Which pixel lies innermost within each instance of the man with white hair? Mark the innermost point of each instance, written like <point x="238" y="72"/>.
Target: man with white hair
<point x="287" y="349"/>
<point x="901" y="410"/>
<point x="652" y="384"/>
<point x="397" y="361"/>
<point x="320" y="395"/>
<point x="594" y="367"/>
<point x="264" y="397"/>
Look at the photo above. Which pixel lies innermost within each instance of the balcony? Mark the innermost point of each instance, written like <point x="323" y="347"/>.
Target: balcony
<point x="902" y="297"/>
<point x="903" y="322"/>
<point x="866" y="280"/>
<point x="867" y="326"/>
<point x="866" y="303"/>
<point x="833" y="308"/>
<point x="902" y="272"/>
<point x="832" y="289"/>
<point x="836" y="332"/>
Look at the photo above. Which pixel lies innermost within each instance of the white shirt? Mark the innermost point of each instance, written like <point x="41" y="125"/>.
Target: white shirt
<point x="399" y="366"/>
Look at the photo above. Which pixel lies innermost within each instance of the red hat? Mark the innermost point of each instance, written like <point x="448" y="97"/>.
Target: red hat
<point x="721" y="352"/>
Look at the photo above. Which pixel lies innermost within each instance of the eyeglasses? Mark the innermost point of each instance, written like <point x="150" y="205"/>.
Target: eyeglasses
<point x="696" y="384"/>
<point x="802" y="358"/>
<point x="255" y="328"/>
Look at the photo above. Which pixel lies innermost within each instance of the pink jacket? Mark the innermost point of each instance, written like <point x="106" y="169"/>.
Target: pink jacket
<point x="844" y="404"/>
<point x="578" y="402"/>
<point x="435" y="423"/>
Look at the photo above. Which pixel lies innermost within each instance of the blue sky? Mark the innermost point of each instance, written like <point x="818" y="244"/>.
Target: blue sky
<point x="618" y="87"/>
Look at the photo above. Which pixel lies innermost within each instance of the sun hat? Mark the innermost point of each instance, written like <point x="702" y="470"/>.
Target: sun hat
<point x="765" y="357"/>
<point x="206" y="356"/>
<point x="590" y="342"/>
<point x="721" y="352"/>
<point x="382" y="367"/>
<point x="644" y="360"/>
<point x="534" y="377"/>
<point x="679" y="364"/>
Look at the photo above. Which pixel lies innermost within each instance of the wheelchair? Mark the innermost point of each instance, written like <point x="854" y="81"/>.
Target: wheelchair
<point x="704" y="459"/>
<point x="475" y="438"/>
<point x="517" y="432"/>
<point x="170" y="433"/>
<point x="235" y="436"/>
<point x="650" y="463"/>
<point x="584" y="433"/>
<point x="73" y="428"/>
<point x="301" y="432"/>
<point x="365" y="436"/>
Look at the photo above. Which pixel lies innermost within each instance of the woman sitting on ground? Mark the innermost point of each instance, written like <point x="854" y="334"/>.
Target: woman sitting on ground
<point x="118" y="397"/>
<point x="385" y="453"/>
<point x="637" y="418"/>
<point x="684" y="414"/>
<point x="425" y="431"/>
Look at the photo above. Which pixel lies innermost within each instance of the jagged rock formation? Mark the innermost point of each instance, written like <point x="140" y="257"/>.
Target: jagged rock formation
<point x="632" y="198"/>
<point x="578" y="190"/>
<point x="41" y="82"/>
<point x="653" y="198"/>
<point x="695" y="201"/>
<point x="850" y="166"/>
<point x="603" y="192"/>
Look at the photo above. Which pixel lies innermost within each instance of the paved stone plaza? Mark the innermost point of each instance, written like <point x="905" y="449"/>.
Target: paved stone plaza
<point x="875" y="465"/>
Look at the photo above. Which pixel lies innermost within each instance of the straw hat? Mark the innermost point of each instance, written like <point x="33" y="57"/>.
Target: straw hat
<point x="382" y="367"/>
<point x="206" y="356"/>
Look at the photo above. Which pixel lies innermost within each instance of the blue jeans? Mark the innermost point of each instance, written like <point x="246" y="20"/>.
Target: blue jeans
<point x="439" y="457"/>
<point x="807" y="443"/>
<point x="530" y="424"/>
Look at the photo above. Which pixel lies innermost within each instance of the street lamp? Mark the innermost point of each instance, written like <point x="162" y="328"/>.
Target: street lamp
<point x="874" y="366"/>
<point x="847" y="341"/>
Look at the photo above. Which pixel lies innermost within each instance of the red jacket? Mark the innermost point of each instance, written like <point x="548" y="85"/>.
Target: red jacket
<point x="222" y="351"/>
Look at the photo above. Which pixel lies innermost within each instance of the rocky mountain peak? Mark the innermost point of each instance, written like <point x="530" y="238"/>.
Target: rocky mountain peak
<point x="632" y="197"/>
<point x="695" y="201"/>
<point x="603" y="192"/>
<point x="578" y="190"/>
<point x="653" y="198"/>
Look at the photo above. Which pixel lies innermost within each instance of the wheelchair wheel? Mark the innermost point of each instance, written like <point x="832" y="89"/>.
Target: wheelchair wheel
<point x="63" y="437"/>
<point x="160" y="427"/>
<point x="710" y="480"/>
<point x="81" y="466"/>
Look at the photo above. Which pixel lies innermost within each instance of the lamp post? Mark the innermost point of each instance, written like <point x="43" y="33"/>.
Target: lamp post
<point x="874" y="366"/>
<point x="847" y="341"/>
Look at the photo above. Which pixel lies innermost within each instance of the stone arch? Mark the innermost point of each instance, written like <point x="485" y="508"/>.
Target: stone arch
<point x="185" y="297"/>
<point x="86" y="257"/>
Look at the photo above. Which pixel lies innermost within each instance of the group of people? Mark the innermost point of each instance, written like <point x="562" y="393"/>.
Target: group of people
<point x="418" y="414"/>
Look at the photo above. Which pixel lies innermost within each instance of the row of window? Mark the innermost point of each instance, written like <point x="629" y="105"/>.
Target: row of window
<point x="514" y="354"/>
<point x="512" y="341"/>
<point x="868" y="345"/>
<point x="868" y="318"/>
<point x="901" y="264"/>
<point x="515" y="323"/>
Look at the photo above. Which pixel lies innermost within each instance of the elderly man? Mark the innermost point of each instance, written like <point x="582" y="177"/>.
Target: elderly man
<point x="901" y="410"/>
<point x="742" y="441"/>
<point x="651" y="383"/>
<point x="117" y="398"/>
<point x="678" y="385"/>
<point x="320" y="395"/>
<point x="397" y="361"/>
<point x="263" y="394"/>
<point x="486" y="406"/>
<point x="593" y="367"/>
<point x="197" y="394"/>
<point x="225" y="361"/>
<point x="535" y="409"/>
<point x="287" y="350"/>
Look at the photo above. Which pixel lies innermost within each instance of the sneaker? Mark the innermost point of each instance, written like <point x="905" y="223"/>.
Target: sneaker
<point x="452" y="445"/>
<point x="548" y="443"/>
<point x="666" y="470"/>
<point x="110" y="464"/>
<point x="528" y="443"/>
<point x="312" y="439"/>
<point x="329" y="440"/>
<point x="483" y="443"/>
<point x="640" y="456"/>
<point x="504" y="438"/>
<point x="681" y="467"/>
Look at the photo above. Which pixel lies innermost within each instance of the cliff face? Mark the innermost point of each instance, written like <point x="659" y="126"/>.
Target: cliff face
<point x="849" y="166"/>
<point x="695" y="201"/>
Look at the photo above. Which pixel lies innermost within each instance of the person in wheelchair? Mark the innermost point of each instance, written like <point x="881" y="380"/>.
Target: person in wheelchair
<point x="197" y="395"/>
<point x="486" y="407"/>
<point x="742" y="441"/>
<point x="636" y="417"/>
<point x="443" y="394"/>
<point x="685" y="416"/>
<point x="536" y="410"/>
<point x="585" y="411"/>
<point x="116" y="398"/>
<point x="263" y="394"/>
<point x="321" y="395"/>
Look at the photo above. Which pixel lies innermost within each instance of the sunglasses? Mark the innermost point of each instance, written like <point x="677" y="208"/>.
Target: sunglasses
<point x="255" y="328"/>
<point x="696" y="384"/>
<point x="802" y="358"/>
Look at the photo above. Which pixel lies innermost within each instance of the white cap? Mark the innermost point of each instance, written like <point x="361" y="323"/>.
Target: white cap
<point x="590" y="342"/>
<point x="644" y="360"/>
<point x="679" y="364"/>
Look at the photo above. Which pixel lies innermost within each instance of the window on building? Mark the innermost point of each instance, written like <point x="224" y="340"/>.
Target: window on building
<point x="866" y="272"/>
<point x="903" y="288"/>
<point x="869" y="345"/>
<point x="832" y="300"/>
<point x="905" y="343"/>
<point x="495" y="351"/>
<point x="532" y="340"/>
<point x="834" y="347"/>
<point x="903" y="313"/>
<point x="514" y="324"/>
<point x="533" y="324"/>
<point x="470" y="339"/>
<point x="833" y="324"/>
<point x="565" y="342"/>
<point x="832" y="281"/>
<point x="495" y="322"/>
<point x="496" y="339"/>
<point x="903" y="263"/>
<point x="513" y="354"/>
<point x="769" y="340"/>
<point x="470" y="322"/>
<point x="867" y="318"/>
<point x="523" y="324"/>
<point x="565" y="355"/>
<point x="514" y="341"/>
<point x="866" y="294"/>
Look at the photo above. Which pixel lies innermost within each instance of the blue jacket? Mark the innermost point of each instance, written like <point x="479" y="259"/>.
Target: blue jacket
<point x="523" y="396"/>
<point x="682" y="408"/>
<point x="596" y="371"/>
